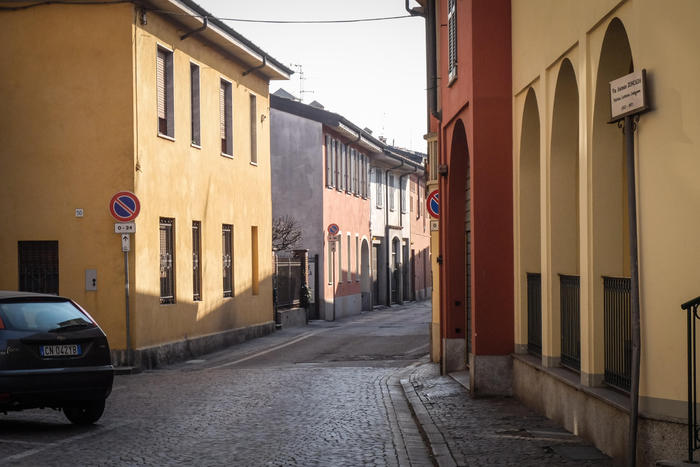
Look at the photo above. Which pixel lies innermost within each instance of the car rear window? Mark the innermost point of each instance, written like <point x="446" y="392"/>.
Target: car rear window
<point x="41" y="316"/>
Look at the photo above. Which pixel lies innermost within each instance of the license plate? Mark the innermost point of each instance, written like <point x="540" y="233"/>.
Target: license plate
<point x="64" y="350"/>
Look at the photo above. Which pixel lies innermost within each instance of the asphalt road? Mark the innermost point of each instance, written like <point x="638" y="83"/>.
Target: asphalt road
<point x="325" y="394"/>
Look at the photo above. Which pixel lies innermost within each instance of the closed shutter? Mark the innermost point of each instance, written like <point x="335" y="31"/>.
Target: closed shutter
<point x="160" y="84"/>
<point x="194" y="102"/>
<point x="452" y="38"/>
<point x="222" y="110"/>
<point x="329" y="165"/>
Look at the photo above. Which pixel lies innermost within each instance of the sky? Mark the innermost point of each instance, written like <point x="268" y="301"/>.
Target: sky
<point x="372" y="73"/>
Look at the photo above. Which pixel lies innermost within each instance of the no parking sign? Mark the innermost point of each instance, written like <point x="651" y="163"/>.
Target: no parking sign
<point x="124" y="206"/>
<point x="433" y="204"/>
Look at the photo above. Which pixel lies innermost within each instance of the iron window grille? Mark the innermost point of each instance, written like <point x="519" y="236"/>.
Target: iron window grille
<point x="227" y="259"/>
<point x="38" y="266"/>
<point x="196" y="260"/>
<point x="618" y="332"/>
<point x="167" y="261"/>
<point x="570" y="308"/>
<point x="534" y="313"/>
<point x="452" y="39"/>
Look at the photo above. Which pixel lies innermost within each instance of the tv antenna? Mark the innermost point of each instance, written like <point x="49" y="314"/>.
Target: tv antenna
<point x="302" y="78"/>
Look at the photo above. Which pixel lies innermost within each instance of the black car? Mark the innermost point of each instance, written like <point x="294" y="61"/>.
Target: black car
<point x="52" y="355"/>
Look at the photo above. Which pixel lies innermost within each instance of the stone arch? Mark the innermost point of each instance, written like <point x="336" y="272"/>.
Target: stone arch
<point x="529" y="216"/>
<point x="610" y="226"/>
<point x="564" y="220"/>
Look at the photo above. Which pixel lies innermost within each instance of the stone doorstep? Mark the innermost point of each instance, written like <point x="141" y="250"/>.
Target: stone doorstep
<point x="177" y="351"/>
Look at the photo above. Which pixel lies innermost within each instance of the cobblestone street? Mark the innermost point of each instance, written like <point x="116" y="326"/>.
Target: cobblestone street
<point x="332" y="393"/>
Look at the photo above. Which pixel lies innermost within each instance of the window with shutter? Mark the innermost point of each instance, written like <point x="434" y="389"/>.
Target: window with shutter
<point x="194" y="104"/>
<point x="164" y="92"/>
<point x="38" y="266"/>
<point x="253" y="129"/>
<point x="379" y="190"/>
<point x="329" y="163"/>
<point x="196" y="261"/>
<point x="227" y="259"/>
<point x="226" y="118"/>
<point x="452" y="40"/>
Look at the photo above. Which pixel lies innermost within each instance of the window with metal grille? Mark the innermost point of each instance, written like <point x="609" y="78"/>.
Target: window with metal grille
<point x="452" y="40"/>
<point x="164" y="92"/>
<point x="227" y="258"/>
<point x="226" y="118"/>
<point x="254" y="256"/>
<point x="38" y="266"/>
<point x="194" y="104"/>
<point x="329" y="162"/>
<point x="196" y="260"/>
<point x="253" y="129"/>
<point x="167" y="260"/>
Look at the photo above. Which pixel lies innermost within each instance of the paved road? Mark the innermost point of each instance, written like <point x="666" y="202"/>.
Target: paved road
<point x="320" y="395"/>
<point x="346" y="393"/>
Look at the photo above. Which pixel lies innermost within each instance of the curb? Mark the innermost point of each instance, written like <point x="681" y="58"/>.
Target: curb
<point x="433" y="436"/>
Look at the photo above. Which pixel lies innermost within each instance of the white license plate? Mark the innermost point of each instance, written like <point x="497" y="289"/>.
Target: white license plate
<point x="64" y="350"/>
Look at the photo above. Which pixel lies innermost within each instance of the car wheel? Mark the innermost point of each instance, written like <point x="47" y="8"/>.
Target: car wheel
<point x="85" y="413"/>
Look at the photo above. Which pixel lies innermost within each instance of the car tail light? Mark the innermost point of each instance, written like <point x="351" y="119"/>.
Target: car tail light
<point x="2" y="325"/>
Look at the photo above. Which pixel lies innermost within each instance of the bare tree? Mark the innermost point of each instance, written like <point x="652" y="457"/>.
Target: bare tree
<point x="286" y="233"/>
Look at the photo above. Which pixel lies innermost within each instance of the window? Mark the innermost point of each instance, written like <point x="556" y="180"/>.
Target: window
<point x="404" y="190"/>
<point x="226" y="118"/>
<point x="378" y="187"/>
<point x="336" y="165"/>
<point x="194" y="104"/>
<point x="357" y="258"/>
<point x="340" y="257"/>
<point x="344" y="167"/>
<point x="432" y="156"/>
<point x="392" y="193"/>
<point x="365" y="187"/>
<point x="227" y="258"/>
<point x="349" y="273"/>
<point x="167" y="260"/>
<point x="452" y="40"/>
<point x="164" y="92"/>
<point x="253" y="129"/>
<point x="254" y="255"/>
<point x="329" y="162"/>
<point x="196" y="260"/>
<point x="38" y="266"/>
<point x="354" y="172"/>
<point x="331" y="270"/>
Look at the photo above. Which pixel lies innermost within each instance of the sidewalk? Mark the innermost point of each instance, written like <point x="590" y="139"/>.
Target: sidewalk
<point x="490" y="431"/>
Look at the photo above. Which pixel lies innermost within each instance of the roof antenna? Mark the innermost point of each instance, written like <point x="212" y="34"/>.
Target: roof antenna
<point x="300" y="72"/>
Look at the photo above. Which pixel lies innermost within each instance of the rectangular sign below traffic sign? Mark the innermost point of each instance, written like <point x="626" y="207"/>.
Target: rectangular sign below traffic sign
<point x="126" y="242"/>
<point x="124" y="227"/>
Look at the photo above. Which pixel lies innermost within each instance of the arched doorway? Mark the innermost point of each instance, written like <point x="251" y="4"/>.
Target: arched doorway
<point x="529" y="215"/>
<point x="457" y="264"/>
<point x="610" y="218"/>
<point x="365" y="277"/>
<point x="564" y="325"/>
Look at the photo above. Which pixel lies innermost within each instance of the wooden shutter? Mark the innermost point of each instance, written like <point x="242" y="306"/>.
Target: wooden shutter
<point x="222" y="110"/>
<point x="160" y="83"/>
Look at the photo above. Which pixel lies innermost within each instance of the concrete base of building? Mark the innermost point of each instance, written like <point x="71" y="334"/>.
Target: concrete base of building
<point x="346" y="305"/>
<point x="490" y="375"/>
<point x="454" y="355"/>
<point x="172" y="352"/>
<point x="434" y="329"/>
<point x="597" y="414"/>
<point x="292" y="317"/>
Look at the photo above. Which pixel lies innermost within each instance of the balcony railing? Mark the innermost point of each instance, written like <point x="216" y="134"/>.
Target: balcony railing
<point x="618" y="334"/>
<point x="534" y="313"/>
<point x="570" y="293"/>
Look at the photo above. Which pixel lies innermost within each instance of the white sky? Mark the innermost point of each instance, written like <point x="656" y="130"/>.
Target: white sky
<point x="371" y="73"/>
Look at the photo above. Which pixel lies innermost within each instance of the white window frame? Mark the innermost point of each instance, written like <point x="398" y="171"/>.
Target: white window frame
<point x="166" y="127"/>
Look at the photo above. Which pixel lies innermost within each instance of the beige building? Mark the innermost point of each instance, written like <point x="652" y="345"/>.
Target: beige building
<point x="572" y="260"/>
<point x="102" y="98"/>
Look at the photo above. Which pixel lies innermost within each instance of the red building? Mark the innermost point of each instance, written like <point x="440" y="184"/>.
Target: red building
<point x="469" y="100"/>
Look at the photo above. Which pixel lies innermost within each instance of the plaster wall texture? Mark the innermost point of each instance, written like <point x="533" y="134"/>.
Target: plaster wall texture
<point x="297" y="178"/>
<point x="82" y="125"/>
<point x="180" y="181"/>
<point x="665" y="150"/>
<point x="67" y="145"/>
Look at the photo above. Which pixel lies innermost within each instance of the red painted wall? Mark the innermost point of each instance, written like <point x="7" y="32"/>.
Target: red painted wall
<point x="480" y="100"/>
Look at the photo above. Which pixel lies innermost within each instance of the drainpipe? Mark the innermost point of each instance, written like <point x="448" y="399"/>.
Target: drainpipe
<point x="204" y="26"/>
<point x="262" y="65"/>
<point x="418" y="11"/>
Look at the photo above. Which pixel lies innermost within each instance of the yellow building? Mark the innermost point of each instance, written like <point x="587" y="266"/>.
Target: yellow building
<point x="151" y="99"/>
<point x="570" y="216"/>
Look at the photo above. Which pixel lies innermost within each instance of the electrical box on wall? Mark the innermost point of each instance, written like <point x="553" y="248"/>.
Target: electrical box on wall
<point x="91" y="279"/>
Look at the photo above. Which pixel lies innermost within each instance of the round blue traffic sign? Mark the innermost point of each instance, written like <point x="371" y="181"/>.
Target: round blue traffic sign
<point x="333" y="229"/>
<point x="124" y="206"/>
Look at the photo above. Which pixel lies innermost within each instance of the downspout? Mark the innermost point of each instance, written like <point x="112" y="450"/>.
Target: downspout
<point x="431" y="57"/>
<point x="262" y="65"/>
<point x="195" y="31"/>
